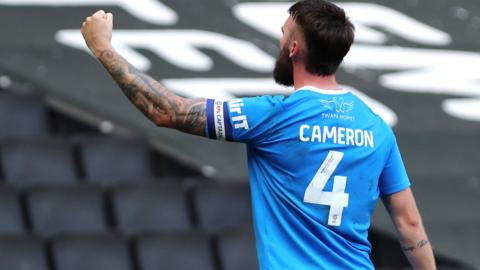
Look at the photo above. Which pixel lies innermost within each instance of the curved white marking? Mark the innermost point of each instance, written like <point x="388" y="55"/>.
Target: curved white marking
<point x="151" y="11"/>
<point x="179" y="47"/>
<point x="363" y="15"/>
<point x="467" y="109"/>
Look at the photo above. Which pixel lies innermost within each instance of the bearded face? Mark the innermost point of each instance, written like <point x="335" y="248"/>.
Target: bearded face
<point x="283" y="71"/>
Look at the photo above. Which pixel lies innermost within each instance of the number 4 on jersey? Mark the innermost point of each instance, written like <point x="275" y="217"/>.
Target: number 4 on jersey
<point x="337" y="199"/>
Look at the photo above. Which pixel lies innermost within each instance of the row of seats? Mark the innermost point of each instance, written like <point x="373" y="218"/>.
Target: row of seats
<point x="23" y="114"/>
<point x="233" y="250"/>
<point x="131" y="210"/>
<point x="94" y="202"/>
<point x="58" y="161"/>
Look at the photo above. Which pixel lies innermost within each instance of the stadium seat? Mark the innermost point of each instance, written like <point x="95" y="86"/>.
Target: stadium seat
<point x="106" y="252"/>
<point x="27" y="110"/>
<point x="108" y="160"/>
<point x="175" y="251"/>
<point x="222" y="206"/>
<point x="22" y="253"/>
<point x="11" y="221"/>
<point x="66" y="210"/>
<point x="44" y="162"/>
<point x="237" y="250"/>
<point x="151" y="208"/>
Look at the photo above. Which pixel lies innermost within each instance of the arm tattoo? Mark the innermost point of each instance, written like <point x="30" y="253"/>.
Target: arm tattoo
<point x="420" y="244"/>
<point x="153" y="99"/>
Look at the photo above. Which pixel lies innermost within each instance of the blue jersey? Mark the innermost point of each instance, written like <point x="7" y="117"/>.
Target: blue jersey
<point x="318" y="161"/>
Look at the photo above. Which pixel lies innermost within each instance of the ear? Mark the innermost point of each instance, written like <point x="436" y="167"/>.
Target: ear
<point x="294" y="49"/>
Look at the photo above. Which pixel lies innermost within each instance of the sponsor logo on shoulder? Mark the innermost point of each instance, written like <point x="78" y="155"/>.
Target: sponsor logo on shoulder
<point x="339" y="107"/>
<point x="338" y="104"/>
<point x="239" y="120"/>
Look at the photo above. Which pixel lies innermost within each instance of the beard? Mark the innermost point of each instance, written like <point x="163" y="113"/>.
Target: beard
<point x="283" y="71"/>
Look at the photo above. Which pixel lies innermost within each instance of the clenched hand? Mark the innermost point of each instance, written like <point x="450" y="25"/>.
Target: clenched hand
<point x="97" y="31"/>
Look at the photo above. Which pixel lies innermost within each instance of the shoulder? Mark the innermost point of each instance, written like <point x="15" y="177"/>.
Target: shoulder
<point x="372" y="109"/>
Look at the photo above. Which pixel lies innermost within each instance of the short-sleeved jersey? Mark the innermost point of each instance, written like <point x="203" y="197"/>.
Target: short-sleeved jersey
<point x="318" y="161"/>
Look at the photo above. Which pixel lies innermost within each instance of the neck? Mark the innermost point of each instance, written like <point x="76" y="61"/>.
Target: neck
<point x="302" y="78"/>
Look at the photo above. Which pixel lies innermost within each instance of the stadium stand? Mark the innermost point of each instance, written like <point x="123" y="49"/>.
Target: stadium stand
<point x="106" y="159"/>
<point x="72" y="198"/>
<point x="38" y="161"/>
<point x="222" y="206"/>
<point x="235" y="250"/>
<point x="151" y="208"/>
<point x="11" y="220"/>
<point x="23" y="252"/>
<point x="24" y="109"/>
<point x="181" y="251"/>
<point x="98" y="252"/>
<point x="72" y="210"/>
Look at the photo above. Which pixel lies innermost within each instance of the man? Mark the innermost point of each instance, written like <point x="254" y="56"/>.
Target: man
<point x="318" y="159"/>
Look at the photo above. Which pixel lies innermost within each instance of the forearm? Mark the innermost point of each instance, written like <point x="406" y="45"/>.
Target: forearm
<point x="412" y="236"/>
<point x="157" y="103"/>
<point x="416" y="246"/>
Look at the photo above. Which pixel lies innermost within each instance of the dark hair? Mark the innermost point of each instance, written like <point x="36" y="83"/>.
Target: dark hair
<point x="328" y="34"/>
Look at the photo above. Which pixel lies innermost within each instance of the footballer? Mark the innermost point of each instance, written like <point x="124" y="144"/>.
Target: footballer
<point x="318" y="159"/>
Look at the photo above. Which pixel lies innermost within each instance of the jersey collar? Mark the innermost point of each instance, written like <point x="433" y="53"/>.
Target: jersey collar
<point x="323" y="91"/>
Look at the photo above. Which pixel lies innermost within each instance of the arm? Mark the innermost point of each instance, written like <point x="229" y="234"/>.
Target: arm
<point x="405" y="216"/>
<point x="161" y="106"/>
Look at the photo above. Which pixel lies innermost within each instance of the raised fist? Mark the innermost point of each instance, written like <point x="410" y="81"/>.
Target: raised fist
<point x="97" y="31"/>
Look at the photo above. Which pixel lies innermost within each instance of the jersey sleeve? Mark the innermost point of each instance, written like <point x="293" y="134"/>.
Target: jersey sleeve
<point x="246" y="120"/>
<point x="394" y="177"/>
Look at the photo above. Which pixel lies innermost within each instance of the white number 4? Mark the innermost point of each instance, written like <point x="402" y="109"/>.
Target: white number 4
<point x="337" y="199"/>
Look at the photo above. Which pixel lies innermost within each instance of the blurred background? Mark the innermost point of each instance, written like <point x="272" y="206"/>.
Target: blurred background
<point x="86" y="182"/>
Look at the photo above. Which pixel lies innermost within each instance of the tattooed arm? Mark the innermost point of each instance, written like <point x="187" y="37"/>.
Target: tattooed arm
<point x="164" y="108"/>
<point x="161" y="106"/>
<point x="405" y="216"/>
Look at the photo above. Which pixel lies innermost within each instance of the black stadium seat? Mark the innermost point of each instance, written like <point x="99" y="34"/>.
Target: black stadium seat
<point x="237" y="250"/>
<point x="67" y="210"/>
<point x="11" y="221"/>
<point x="47" y="161"/>
<point x="184" y="251"/>
<point x="151" y="208"/>
<point x="22" y="116"/>
<point x="106" y="252"/>
<point x="22" y="253"/>
<point x="107" y="160"/>
<point x="223" y="206"/>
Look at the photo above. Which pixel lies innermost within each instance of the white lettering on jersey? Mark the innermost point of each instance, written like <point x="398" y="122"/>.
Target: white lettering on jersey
<point x="239" y="120"/>
<point x="336" y="135"/>
<point x="236" y="106"/>
<point x="219" y="120"/>
<point x="330" y="134"/>
<point x="302" y="132"/>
